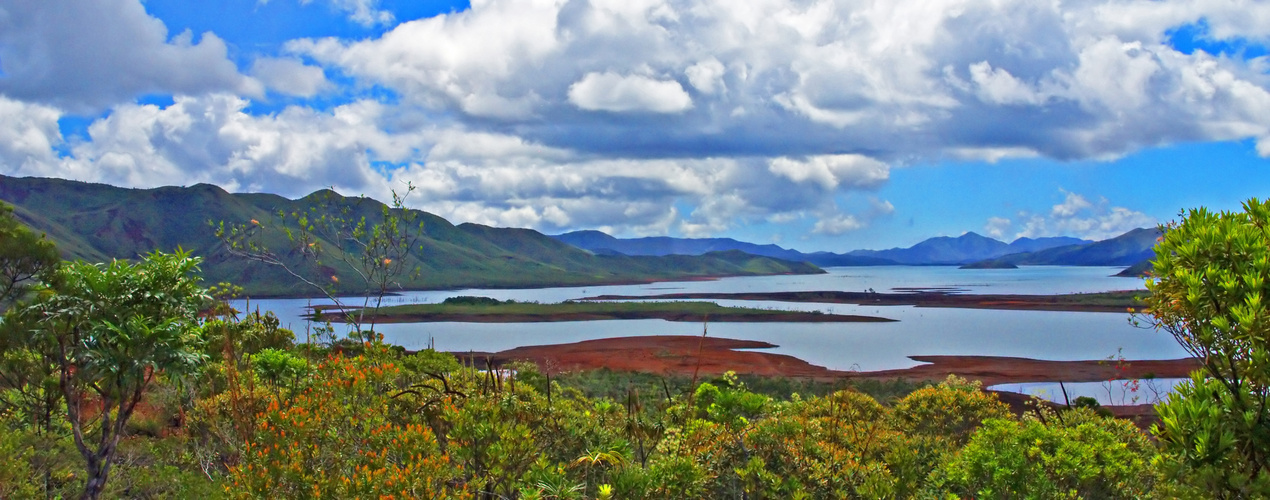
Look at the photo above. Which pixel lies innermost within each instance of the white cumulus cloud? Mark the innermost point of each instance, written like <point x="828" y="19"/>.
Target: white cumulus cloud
<point x="1075" y="216"/>
<point x="836" y="225"/>
<point x="613" y="92"/>
<point x="290" y="76"/>
<point x="896" y="80"/>
<point x="638" y="115"/>
<point x="86" y="55"/>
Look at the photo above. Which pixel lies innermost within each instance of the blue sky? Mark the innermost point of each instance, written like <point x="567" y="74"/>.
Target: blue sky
<point x="818" y="125"/>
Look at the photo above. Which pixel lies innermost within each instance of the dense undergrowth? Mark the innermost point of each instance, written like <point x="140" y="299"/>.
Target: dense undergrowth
<point x="267" y="418"/>
<point x="127" y="380"/>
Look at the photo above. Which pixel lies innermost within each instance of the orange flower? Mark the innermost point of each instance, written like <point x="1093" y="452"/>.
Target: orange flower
<point x="335" y="278"/>
<point x="255" y="222"/>
<point x="387" y="261"/>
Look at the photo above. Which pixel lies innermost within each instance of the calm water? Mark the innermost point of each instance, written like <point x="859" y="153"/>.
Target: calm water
<point x="841" y="346"/>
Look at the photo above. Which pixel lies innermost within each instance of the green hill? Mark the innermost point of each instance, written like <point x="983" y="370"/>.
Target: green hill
<point x="1140" y="270"/>
<point x="97" y="222"/>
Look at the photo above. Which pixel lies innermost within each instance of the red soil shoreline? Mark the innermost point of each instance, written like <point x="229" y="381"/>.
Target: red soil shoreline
<point x="682" y="355"/>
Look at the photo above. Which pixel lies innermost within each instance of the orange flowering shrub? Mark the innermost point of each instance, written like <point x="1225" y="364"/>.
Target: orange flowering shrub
<point x="336" y="441"/>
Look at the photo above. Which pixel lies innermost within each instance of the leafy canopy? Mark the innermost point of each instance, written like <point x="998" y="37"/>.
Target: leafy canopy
<point x="1212" y="279"/>
<point x="24" y="256"/>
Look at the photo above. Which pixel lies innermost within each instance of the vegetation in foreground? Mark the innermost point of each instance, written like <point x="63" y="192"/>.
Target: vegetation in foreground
<point x="484" y="309"/>
<point x="114" y="384"/>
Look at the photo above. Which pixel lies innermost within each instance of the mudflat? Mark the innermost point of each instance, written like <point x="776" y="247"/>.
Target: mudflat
<point x="684" y="355"/>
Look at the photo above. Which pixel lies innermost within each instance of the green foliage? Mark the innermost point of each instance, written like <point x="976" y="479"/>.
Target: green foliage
<point x="430" y="361"/>
<point x="280" y="368"/>
<point x="467" y="300"/>
<point x="729" y="402"/>
<point x="267" y="418"/>
<point x="376" y="248"/>
<point x="1203" y="439"/>
<point x="382" y="423"/>
<point x="250" y="334"/>
<point x="24" y="257"/>
<point x="35" y="465"/>
<point x="1076" y="455"/>
<point x="1212" y="279"/>
<point x="108" y="330"/>
<point x="948" y="411"/>
<point x="604" y="383"/>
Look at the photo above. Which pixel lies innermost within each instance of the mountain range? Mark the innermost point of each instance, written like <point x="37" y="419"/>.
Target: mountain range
<point x="96" y="222"/>
<point x="943" y="250"/>
<point x="1129" y="249"/>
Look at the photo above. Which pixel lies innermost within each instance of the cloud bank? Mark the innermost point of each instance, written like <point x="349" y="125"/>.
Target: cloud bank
<point x="637" y="116"/>
<point x="1076" y="215"/>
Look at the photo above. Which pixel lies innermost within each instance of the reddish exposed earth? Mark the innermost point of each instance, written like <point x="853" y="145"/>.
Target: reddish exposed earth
<point x="682" y="355"/>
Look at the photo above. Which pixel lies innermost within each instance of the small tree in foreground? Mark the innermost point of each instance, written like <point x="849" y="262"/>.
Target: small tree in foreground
<point x="338" y="235"/>
<point x="24" y="257"/>
<point x="109" y="330"/>
<point x="1210" y="291"/>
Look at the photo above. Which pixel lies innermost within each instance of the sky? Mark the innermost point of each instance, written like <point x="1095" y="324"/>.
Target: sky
<point x="814" y="124"/>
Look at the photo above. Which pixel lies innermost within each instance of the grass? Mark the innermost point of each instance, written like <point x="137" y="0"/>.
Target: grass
<point x="605" y="383"/>
<point x="1122" y="298"/>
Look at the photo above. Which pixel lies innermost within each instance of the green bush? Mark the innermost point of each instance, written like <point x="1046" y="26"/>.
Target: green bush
<point x="1077" y="455"/>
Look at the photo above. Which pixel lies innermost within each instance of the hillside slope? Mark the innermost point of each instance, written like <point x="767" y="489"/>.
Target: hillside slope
<point x="97" y="222"/>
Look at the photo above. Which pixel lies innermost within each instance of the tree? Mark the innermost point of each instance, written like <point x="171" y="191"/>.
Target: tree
<point x="109" y="330"/>
<point x="373" y="245"/>
<point x="24" y="257"/>
<point x="1212" y="279"/>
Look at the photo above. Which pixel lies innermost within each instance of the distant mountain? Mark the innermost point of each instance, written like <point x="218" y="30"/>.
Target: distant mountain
<point x="664" y="245"/>
<point x="964" y="249"/>
<point x="1037" y="244"/>
<point x="1127" y="249"/>
<point x="967" y="248"/>
<point x="601" y="243"/>
<point x="96" y="222"/>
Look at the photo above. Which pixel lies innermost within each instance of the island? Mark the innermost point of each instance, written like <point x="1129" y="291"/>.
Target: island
<point x="1118" y="301"/>
<point x="487" y="310"/>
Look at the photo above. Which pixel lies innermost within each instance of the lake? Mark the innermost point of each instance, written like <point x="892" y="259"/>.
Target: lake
<point x="841" y="346"/>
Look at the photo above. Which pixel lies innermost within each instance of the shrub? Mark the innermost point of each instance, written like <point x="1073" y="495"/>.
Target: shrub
<point x="1078" y="455"/>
